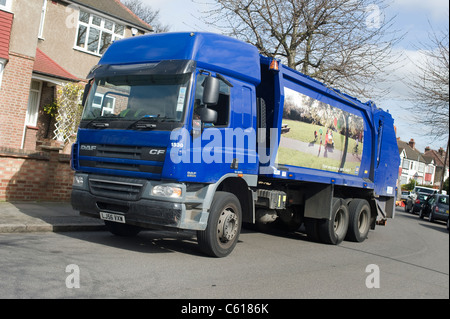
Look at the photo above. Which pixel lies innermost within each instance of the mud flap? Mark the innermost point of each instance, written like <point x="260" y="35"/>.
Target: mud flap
<point x="385" y="209"/>
<point x="318" y="201"/>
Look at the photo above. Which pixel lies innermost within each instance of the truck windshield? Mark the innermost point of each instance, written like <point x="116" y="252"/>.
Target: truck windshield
<point x="128" y="99"/>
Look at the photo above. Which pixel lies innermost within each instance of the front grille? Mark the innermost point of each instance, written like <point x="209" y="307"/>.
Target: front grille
<point x="119" y="152"/>
<point x="123" y="166"/>
<point x="118" y="188"/>
<point x="126" y="158"/>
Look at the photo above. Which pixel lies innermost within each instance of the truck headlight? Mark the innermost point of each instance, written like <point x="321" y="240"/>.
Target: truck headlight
<point x="167" y="191"/>
<point x="78" y="181"/>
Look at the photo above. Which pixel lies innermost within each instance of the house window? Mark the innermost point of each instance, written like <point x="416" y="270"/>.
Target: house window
<point x="105" y="103"/>
<point x="5" y="5"/>
<point x="421" y="168"/>
<point x="33" y="103"/>
<point x="95" y="34"/>
<point x="2" y="67"/>
<point x="406" y="164"/>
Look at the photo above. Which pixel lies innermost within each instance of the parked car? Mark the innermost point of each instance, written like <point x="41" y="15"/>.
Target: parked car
<point x="414" y="203"/>
<point x="405" y="195"/>
<point x="435" y="208"/>
<point x="422" y="189"/>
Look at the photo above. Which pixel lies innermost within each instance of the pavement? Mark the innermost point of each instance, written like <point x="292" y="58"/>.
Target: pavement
<point x="24" y="217"/>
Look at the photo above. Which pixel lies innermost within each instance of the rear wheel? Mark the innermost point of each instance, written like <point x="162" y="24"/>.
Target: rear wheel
<point x="333" y="231"/>
<point x="312" y="229"/>
<point x="224" y="226"/>
<point x="421" y="214"/>
<point x="359" y="220"/>
<point x="431" y="216"/>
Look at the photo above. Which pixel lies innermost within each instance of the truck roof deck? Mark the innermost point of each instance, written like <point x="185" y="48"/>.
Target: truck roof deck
<point x="214" y="52"/>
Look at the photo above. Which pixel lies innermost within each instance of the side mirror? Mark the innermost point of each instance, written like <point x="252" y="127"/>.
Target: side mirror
<point x="211" y="91"/>
<point x="208" y="116"/>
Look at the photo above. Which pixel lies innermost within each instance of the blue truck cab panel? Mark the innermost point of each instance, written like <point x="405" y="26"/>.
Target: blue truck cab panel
<point x="198" y="131"/>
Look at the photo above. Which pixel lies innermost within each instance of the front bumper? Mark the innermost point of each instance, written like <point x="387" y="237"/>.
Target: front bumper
<point x="133" y="199"/>
<point x="144" y="213"/>
<point x="440" y="216"/>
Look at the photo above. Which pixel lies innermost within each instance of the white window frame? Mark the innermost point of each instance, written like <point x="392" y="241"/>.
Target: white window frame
<point x="102" y="29"/>
<point x="421" y="168"/>
<point x="7" y="6"/>
<point x="406" y="164"/>
<point x="110" y="110"/>
<point x="39" y="92"/>
<point x="2" y="67"/>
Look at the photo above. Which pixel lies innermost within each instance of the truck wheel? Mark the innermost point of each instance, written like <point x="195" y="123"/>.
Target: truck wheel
<point x="224" y="226"/>
<point x="312" y="229"/>
<point x="334" y="231"/>
<point x="122" y="230"/>
<point x="359" y="220"/>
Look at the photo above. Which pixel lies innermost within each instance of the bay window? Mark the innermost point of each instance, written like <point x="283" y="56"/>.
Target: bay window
<point x="5" y="5"/>
<point x="95" y="34"/>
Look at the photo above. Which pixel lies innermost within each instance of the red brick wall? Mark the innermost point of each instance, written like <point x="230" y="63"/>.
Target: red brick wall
<point x="31" y="176"/>
<point x="14" y="99"/>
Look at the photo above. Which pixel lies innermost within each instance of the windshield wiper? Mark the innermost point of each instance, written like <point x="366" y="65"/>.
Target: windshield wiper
<point x="143" y="123"/>
<point x="147" y="122"/>
<point x="99" y="122"/>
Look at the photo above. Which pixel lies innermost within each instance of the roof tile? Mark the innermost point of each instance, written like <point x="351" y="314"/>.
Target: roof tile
<point x="43" y="64"/>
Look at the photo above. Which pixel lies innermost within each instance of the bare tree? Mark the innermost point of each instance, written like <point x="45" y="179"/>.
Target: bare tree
<point x="343" y="43"/>
<point x="147" y="14"/>
<point x="429" y="86"/>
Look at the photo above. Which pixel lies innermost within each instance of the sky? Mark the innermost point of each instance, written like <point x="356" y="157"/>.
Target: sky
<point x="416" y="18"/>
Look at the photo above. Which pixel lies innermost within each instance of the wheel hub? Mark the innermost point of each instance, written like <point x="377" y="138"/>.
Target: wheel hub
<point x="227" y="226"/>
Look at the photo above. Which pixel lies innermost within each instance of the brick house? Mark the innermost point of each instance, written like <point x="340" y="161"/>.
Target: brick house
<point x="439" y="158"/>
<point x="415" y="165"/>
<point x="45" y="44"/>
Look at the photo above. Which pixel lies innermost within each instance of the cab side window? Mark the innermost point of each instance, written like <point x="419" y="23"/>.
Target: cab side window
<point x="223" y="106"/>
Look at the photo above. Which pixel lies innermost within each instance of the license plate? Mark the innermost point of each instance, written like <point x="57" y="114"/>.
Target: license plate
<point x="112" y="217"/>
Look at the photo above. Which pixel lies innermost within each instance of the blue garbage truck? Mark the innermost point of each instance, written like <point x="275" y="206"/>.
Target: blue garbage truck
<point x="199" y="132"/>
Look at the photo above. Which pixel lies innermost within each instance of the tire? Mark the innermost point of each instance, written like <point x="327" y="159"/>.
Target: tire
<point x="122" y="230"/>
<point x="312" y="229"/>
<point x="359" y="220"/>
<point x="431" y="216"/>
<point x="224" y="226"/>
<point x="333" y="231"/>
<point x="421" y="214"/>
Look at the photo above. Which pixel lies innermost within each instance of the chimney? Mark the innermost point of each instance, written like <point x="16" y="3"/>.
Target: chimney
<point x="412" y="143"/>
<point x="427" y="149"/>
<point x="441" y="151"/>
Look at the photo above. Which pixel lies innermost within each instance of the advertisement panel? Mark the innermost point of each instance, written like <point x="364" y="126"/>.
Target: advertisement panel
<point x="319" y="136"/>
